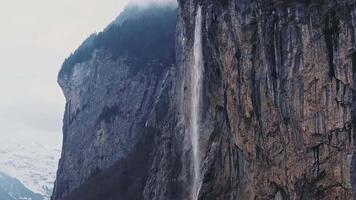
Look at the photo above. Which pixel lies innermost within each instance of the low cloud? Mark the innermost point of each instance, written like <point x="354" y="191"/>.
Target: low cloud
<point x="154" y="2"/>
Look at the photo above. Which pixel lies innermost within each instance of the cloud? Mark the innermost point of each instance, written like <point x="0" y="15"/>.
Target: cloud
<point x="154" y="2"/>
<point x="31" y="103"/>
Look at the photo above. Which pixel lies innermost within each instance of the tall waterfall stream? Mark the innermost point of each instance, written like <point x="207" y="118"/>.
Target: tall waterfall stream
<point x="196" y="85"/>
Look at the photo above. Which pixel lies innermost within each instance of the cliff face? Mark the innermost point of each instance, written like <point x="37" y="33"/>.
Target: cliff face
<point x="278" y="117"/>
<point x="278" y="109"/>
<point x="112" y="91"/>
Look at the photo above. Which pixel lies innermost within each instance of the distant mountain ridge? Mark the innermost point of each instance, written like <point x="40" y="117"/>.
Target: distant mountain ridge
<point x="4" y="195"/>
<point x="12" y="189"/>
<point x="31" y="163"/>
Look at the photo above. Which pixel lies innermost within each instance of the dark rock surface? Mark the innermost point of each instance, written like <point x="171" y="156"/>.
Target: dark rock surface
<point x="278" y="109"/>
<point x="111" y="99"/>
<point x="279" y="98"/>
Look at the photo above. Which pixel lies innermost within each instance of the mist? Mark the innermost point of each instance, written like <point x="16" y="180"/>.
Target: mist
<point x="145" y="3"/>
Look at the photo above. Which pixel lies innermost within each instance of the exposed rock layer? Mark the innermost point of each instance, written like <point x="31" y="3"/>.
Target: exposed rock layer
<point x="279" y="87"/>
<point x="112" y="99"/>
<point x="279" y="108"/>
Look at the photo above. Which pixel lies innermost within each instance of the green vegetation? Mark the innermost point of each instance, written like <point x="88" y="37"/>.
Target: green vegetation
<point x="149" y="37"/>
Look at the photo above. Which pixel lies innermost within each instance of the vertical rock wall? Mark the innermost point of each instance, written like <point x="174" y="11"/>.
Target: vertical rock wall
<point x="279" y="97"/>
<point x="278" y="109"/>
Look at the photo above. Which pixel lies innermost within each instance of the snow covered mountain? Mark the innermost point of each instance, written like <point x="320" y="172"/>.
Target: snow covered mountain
<point x="31" y="163"/>
<point x="12" y="189"/>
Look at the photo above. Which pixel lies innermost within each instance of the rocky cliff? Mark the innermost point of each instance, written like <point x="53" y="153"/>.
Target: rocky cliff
<point x="113" y="84"/>
<point x="278" y="109"/>
<point x="278" y="117"/>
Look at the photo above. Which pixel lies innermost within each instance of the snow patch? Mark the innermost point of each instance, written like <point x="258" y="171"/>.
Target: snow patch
<point x="34" y="164"/>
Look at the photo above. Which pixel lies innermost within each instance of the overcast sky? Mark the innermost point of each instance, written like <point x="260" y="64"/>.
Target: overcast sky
<point x="35" y="37"/>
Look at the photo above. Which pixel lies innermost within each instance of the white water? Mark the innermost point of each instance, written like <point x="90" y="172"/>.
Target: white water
<point x="196" y="85"/>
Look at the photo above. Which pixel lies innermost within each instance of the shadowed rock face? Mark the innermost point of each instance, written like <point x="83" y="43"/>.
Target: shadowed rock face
<point x="113" y="98"/>
<point x="279" y="87"/>
<point x="278" y="109"/>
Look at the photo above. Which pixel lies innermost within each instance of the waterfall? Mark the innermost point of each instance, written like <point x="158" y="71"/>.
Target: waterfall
<point x="196" y="90"/>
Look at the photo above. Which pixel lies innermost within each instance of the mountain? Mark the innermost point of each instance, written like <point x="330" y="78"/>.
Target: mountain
<point x="31" y="163"/>
<point x="231" y="100"/>
<point x="113" y="83"/>
<point x="4" y="195"/>
<point x="146" y="37"/>
<point x="13" y="189"/>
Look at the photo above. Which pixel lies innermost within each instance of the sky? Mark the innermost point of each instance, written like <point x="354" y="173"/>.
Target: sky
<point x="35" y="37"/>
